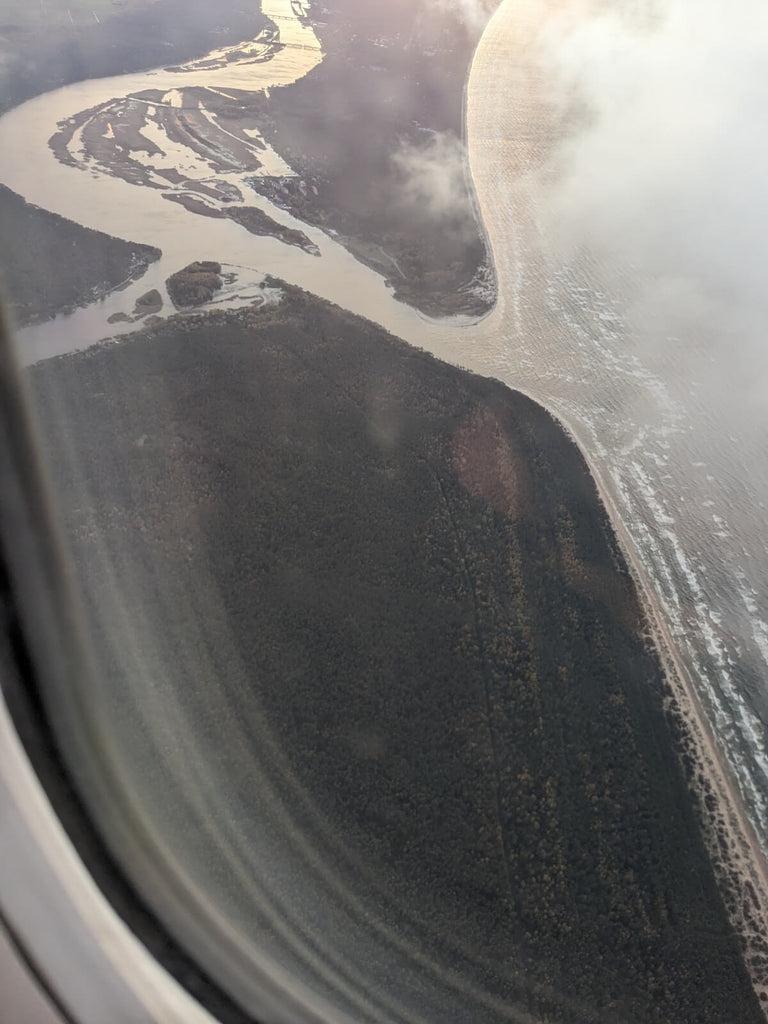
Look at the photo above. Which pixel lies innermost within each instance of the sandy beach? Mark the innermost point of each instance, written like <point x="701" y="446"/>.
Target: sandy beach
<point x="520" y="143"/>
<point x="525" y="138"/>
<point x="740" y="863"/>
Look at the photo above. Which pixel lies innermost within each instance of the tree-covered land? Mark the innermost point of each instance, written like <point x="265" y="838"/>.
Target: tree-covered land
<point x="49" y="265"/>
<point x="427" y="609"/>
<point x="260" y="223"/>
<point x="375" y="133"/>
<point x="44" y="46"/>
<point x="195" y="284"/>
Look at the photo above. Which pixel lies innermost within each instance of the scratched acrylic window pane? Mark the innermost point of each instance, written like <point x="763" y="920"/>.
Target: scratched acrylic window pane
<point x="415" y="697"/>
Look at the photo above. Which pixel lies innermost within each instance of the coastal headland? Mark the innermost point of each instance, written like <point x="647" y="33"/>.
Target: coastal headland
<point x="373" y="191"/>
<point x="430" y="618"/>
<point x="434" y="512"/>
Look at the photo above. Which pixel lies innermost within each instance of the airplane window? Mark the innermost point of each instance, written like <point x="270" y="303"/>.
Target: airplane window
<point x="383" y="561"/>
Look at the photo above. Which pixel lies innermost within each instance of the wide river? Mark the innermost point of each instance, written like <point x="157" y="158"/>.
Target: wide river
<point x="682" y="463"/>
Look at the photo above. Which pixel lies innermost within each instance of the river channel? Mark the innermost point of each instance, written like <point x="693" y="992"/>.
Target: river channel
<point x="682" y="463"/>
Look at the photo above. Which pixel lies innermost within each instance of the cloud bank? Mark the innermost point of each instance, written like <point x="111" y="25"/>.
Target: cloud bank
<point x="669" y="170"/>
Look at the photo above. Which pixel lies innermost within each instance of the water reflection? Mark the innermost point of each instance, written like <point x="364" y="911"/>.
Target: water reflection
<point x="148" y="157"/>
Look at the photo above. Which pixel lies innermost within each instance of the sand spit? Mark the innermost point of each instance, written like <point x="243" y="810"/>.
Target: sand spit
<point x="739" y="860"/>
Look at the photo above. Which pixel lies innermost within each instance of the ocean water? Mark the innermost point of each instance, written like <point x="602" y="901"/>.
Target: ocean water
<point x="670" y="423"/>
<point x="673" y="423"/>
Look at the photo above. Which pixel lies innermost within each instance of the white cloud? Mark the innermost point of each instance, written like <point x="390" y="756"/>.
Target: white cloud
<point x="433" y="180"/>
<point x="473" y="13"/>
<point x="669" y="171"/>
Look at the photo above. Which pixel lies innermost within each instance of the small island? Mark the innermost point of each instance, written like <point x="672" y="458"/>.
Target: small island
<point x="397" y="574"/>
<point x="195" y="285"/>
<point x="260" y="223"/>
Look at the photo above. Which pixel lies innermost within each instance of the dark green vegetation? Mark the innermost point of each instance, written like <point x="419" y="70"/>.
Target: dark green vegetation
<point x="426" y="608"/>
<point x="195" y="285"/>
<point x="260" y="223"/>
<point x="375" y="135"/>
<point x="41" y="53"/>
<point x="374" y="131"/>
<point x="50" y="265"/>
<point x="149" y="302"/>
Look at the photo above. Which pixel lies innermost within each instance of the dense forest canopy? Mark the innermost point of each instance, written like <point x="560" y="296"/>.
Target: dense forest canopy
<point x="422" y="605"/>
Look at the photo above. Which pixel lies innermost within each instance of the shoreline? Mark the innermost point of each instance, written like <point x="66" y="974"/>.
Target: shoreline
<point x="739" y="861"/>
<point x="742" y="869"/>
<point x="670" y="780"/>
